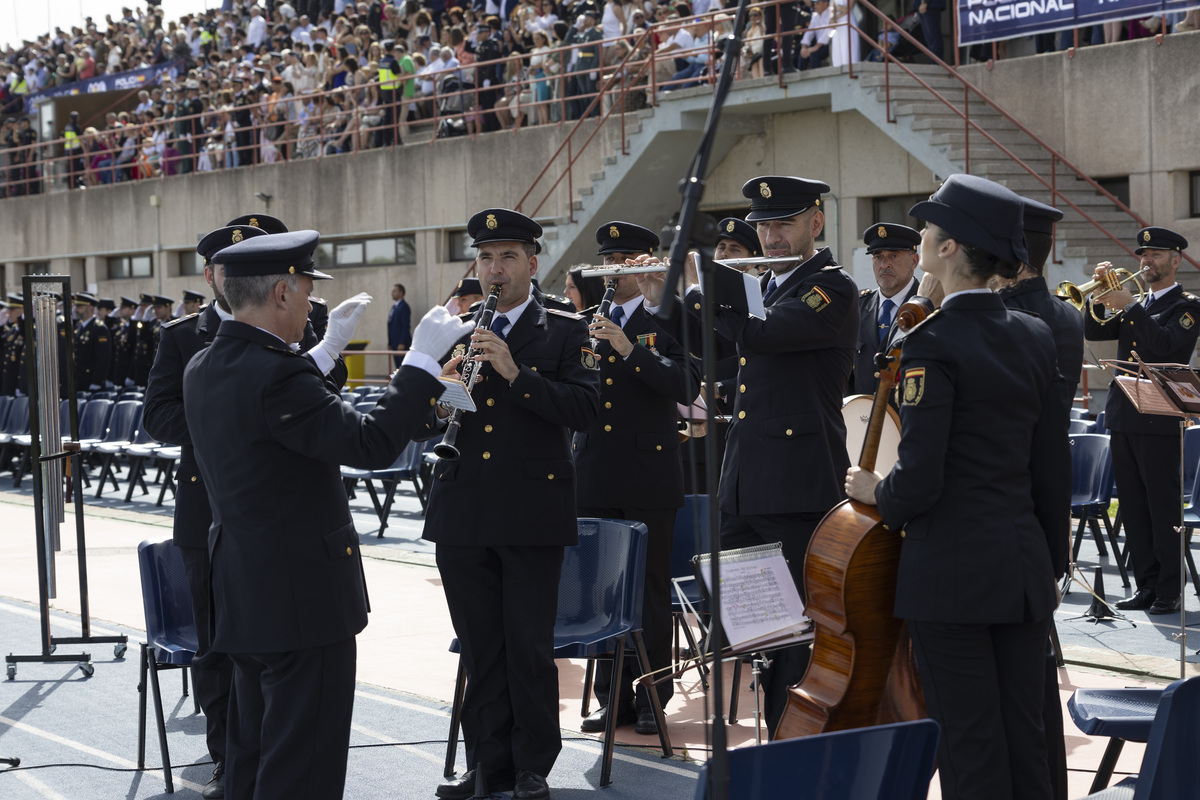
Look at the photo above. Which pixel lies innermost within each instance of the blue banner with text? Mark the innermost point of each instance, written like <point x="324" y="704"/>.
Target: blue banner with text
<point x="982" y="21"/>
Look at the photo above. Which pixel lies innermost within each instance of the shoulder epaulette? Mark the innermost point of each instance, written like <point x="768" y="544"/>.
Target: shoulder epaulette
<point x="175" y="322"/>
<point x="865" y="292"/>
<point x="320" y="301"/>
<point x="567" y="314"/>
<point x="1192" y="297"/>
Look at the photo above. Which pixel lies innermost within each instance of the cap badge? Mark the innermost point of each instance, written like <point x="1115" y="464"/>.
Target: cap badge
<point x="237" y="236"/>
<point x="729" y="227"/>
<point x="254" y="222"/>
<point x="613" y="232"/>
<point x="291" y="270"/>
<point x="882" y="231"/>
<point x="491" y="222"/>
<point x="1145" y="236"/>
<point x="764" y="190"/>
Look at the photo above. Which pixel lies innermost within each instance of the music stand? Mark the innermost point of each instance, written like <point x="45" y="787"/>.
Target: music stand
<point x="1165" y="390"/>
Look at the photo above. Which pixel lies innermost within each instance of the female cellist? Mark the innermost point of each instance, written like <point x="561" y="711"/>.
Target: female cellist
<point x="980" y="493"/>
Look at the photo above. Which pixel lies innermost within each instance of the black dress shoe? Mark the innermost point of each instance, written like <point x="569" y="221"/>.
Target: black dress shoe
<point x="215" y="790"/>
<point x="1166" y="605"/>
<point x="1140" y="601"/>
<point x="645" y="724"/>
<point x="530" y="786"/>
<point x="463" y="788"/>
<point x="598" y="720"/>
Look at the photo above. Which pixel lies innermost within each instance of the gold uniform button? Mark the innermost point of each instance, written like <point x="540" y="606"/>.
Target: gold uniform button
<point x="637" y="369"/>
<point x="193" y="479"/>
<point x="534" y="369"/>
<point x="741" y="415"/>
<point x="486" y="455"/>
<point x="742" y="361"/>
<point x="492" y="401"/>
<point x="788" y="431"/>
<point x="697" y="306"/>
<point x="612" y="359"/>
<point x="527" y="397"/>
<point x="607" y="405"/>
<point x="658" y="447"/>
<point x="902" y="534"/>
<point x="349" y="551"/>
<point x="608" y="381"/>
<point x="550" y="477"/>
<point x="607" y="428"/>
<point x="885" y="527"/>
<point x="742" y="388"/>
<point x="487" y="428"/>
<point x="432" y="401"/>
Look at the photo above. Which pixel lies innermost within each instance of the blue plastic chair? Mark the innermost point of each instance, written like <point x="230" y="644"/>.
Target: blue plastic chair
<point x="5" y="403"/>
<point x="1078" y="413"/>
<point x="123" y="421"/>
<point x="1170" y="769"/>
<point x="1091" y="494"/>
<point x="599" y="606"/>
<point x="883" y="762"/>
<point x="683" y="548"/>
<point x="170" y="635"/>
<point x="16" y="424"/>
<point x="407" y="466"/>
<point x="110" y="451"/>
<point x="1081" y="426"/>
<point x="1124" y="715"/>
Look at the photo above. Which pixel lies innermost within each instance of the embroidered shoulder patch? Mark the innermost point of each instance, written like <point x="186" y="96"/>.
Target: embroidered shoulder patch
<point x="588" y="359"/>
<point x="914" y="386"/>
<point x="816" y="299"/>
<point x="1186" y="321"/>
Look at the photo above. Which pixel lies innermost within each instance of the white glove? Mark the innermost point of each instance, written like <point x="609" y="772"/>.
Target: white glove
<point x="593" y="75"/>
<point x="437" y="332"/>
<point x="343" y="321"/>
<point x="137" y="315"/>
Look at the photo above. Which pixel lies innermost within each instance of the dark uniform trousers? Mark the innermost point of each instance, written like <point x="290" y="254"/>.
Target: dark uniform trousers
<point x="629" y="468"/>
<point x="981" y="397"/>
<point x="501" y="515"/>
<point x="785" y="456"/>
<point x="212" y="671"/>
<point x="1066" y="324"/>
<point x="1145" y="447"/>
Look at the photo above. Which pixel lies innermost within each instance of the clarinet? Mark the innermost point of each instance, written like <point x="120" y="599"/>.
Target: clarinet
<point x="445" y="449"/>
<point x="605" y="307"/>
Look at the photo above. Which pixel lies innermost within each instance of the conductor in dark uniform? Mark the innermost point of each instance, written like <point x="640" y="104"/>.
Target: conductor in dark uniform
<point x="502" y="513"/>
<point x="785" y="457"/>
<point x="93" y="345"/>
<point x="628" y="462"/>
<point x="1145" y="447"/>
<point x="287" y="578"/>
<point x="980" y="495"/>
<point x="894" y="259"/>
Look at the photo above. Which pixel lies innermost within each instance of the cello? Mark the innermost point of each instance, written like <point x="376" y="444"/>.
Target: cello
<point x="861" y="672"/>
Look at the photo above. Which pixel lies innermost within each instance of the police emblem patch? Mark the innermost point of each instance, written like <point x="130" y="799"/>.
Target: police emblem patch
<point x="1145" y="236"/>
<point x="491" y="222"/>
<point x="459" y="351"/>
<point x="882" y="231"/>
<point x="588" y="359"/>
<point x="914" y="386"/>
<point x="1186" y="321"/>
<point x="764" y="190"/>
<point x="613" y="232"/>
<point x="254" y="222"/>
<point x="729" y="227"/>
<point x="816" y="299"/>
<point x="237" y="236"/>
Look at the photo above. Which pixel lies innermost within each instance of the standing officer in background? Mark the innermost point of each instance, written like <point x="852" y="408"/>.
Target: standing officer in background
<point x="124" y="339"/>
<point x="502" y="512"/>
<point x="1145" y="447"/>
<point x="786" y="453"/>
<point x="287" y="579"/>
<point x="894" y="258"/>
<point x="148" y="334"/>
<point x="12" y="348"/>
<point x="93" y="345"/>
<point x="737" y="239"/>
<point x="398" y="322"/>
<point x="628" y="462"/>
<point x="191" y="302"/>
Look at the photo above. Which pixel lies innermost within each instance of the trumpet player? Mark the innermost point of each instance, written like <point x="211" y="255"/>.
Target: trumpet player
<point x="502" y="512"/>
<point x="629" y="459"/>
<point x="1145" y="447"/>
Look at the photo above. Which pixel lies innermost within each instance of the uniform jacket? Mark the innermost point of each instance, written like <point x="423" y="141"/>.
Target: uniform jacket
<point x="514" y="483"/>
<point x="1163" y="333"/>
<point x="630" y="455"/>
<point x="982" y="487"/>
<point x="863" y="380"/>
<point x="13" y="343"/>
<point x="786" y="450"/>
<point x="144" y="349"/>
<point x="124" y="340"/>
<point x="269" y="439"/>
<point x="163" y="416"/>
<point x="93" y="354"/>
<point x="1065" y="323"/>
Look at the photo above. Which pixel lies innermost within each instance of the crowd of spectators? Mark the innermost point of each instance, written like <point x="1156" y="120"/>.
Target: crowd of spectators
<point x="272" y="80"/>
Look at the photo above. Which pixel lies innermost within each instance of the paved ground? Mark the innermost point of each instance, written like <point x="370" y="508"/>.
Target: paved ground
<point x="51" y="714"/>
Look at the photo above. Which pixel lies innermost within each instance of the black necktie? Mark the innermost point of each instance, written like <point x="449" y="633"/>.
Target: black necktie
<point x="498" y="326"/>
<point x="771" y="287"/>
<point x="618" y="314"/>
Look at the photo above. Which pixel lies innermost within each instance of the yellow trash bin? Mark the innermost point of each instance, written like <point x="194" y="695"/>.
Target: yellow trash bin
<point x="356" y="365"/>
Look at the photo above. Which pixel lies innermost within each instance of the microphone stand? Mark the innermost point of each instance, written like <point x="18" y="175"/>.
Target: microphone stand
<point x="698" y="231"/>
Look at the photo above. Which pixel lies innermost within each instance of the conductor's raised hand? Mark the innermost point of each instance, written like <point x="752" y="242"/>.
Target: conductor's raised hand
<point x="343" y="321"/>
<point x="494" y="350"/>
<point x="437" y="332"/>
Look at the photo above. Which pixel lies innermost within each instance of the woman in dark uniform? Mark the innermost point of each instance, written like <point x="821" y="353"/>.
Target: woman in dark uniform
<point x="980" y="494"/>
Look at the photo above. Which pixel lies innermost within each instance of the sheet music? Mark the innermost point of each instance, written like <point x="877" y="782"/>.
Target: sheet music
<point x="1146" y="395"/>
<point x="759" y="601"/>
<point x="456" y="395"/>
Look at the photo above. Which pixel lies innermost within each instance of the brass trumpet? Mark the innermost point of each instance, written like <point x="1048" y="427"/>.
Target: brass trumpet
<point x="1110" y="282"/>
